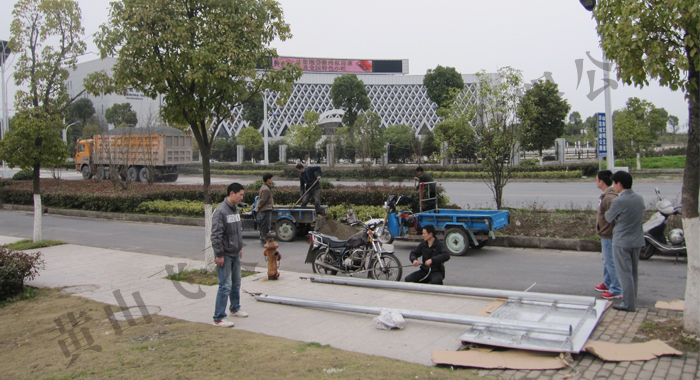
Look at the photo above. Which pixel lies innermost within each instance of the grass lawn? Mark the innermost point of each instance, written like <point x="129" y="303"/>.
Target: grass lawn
<point x="201" y="276"/>
<point x="168" y="348"/>
<point x="666" y="162"/>
<point x="27" y="244"/>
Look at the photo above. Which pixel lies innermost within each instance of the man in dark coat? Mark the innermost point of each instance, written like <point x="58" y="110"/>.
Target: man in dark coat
<point x="309" y="185"/>
<point x="434" y="254"/>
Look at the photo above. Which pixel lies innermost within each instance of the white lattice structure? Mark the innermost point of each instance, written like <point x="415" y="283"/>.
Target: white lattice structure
<point x="398" y="99"/>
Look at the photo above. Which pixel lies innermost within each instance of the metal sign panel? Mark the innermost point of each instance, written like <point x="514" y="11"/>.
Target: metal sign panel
<point x="602" y="136"/>
<point x="582" y="319"/>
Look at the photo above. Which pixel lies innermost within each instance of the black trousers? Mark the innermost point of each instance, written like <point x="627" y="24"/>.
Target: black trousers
<point x="316" y="194"/>
<point x="434" y="278"/>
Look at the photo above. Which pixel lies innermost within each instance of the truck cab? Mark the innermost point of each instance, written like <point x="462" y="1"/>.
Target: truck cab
<point x="82" y="154"/>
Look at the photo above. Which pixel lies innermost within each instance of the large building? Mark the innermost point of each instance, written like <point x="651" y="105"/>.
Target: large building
<point x="399" y="99"/>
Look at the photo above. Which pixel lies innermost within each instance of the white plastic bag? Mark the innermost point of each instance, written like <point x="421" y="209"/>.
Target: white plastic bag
<point x="389" y="320"/>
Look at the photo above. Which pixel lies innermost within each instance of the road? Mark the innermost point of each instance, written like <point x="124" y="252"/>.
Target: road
<point x="547" y="271"/>
<point x="577" y="194"/>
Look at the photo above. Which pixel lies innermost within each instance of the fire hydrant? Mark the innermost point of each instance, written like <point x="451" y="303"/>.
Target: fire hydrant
<point x="273" y="257"/>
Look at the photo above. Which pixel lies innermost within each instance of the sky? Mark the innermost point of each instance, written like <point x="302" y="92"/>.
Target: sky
<point x="536" y="36"/>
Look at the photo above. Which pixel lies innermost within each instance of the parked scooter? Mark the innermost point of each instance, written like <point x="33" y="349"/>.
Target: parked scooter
<point x="654" y="232"/>
<point x="361" y="253"/>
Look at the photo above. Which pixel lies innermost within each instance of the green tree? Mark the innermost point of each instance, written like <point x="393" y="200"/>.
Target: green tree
<point x="345" y="146"/>
<point x="254" y="111"/>
<point x="574" y="126"/>
<point x="121" y="115"/>
<point x="370" y="138"/>
<point x="457" y="132"/>
<point x="224" y="149"/>
<point x="673" y="123"/>
<point x="201" y="57"/>
<point x="401" y="139"/>
<point x="305" y="137"/>
<point x="80" y="110"/>
<point x="542" y="114"/>
<point x="493" y="117"/>
<point x="425" y="144"/>
<point x="251" y="139"/>
<point x="349" y="93"/>
<point x="46" y="34"/>
<point x="637" y="126"/>
<point x="441" y="84"/>
<point x="660" y="40"/>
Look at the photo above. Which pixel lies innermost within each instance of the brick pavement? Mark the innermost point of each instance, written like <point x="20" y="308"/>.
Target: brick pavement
<point x="616" y="327"/>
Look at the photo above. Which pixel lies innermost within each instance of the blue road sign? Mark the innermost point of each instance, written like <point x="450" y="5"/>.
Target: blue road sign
<point x="602" y="136"/>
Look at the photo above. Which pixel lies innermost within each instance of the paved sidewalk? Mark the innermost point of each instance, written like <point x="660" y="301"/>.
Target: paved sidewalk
<point x="111" y="270"/>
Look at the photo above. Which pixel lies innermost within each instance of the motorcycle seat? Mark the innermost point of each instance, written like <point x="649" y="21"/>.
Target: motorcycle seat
<point x="332" y="241"/>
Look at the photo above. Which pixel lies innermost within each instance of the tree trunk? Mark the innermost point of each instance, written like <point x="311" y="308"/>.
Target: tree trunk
<point x="37" y="203"/>
<point x="206" y="173"/>
<point x="691" y="222"/>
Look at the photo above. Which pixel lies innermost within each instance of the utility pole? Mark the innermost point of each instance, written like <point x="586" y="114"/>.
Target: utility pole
<point x="4" y="54"/>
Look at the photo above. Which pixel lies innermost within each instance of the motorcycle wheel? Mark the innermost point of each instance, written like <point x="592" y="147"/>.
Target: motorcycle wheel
<point x="647" y="252"/>
<point x="392" y="268"/>
<point x="384" y="235"/>
<point x="324" y="258"/>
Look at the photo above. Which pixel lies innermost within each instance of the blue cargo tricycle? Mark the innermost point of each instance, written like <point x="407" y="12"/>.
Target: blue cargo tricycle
<point x="460" y="229"/>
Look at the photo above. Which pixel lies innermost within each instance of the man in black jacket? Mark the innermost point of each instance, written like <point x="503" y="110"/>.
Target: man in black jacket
<point x="309" y="185"/>
<point x="434" y="254"/>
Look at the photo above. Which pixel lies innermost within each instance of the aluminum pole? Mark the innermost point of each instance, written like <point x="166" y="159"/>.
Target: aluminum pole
<point x="506" y="324"/>
<point x="608" y="114"/>
<point x="267" y="154"/>
<point x="464" y="291"/>
<point x="5" y="127"/>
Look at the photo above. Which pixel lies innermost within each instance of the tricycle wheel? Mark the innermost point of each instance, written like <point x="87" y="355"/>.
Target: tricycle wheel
<point x="323" y="257"/>
<point x="384" y="235"/>
<point x="392" y="270"/>
<point x="481" y="244"/>
<point x="286" y="230"/>
<point x="457" y="241"/>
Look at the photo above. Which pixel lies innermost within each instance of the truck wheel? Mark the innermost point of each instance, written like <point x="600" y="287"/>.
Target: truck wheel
<point x="286" y="230"/>
<point x="170" y="178"/>
<point x="100" y="172"/>
<point x="144" y="174"/>
<point x="132" y="174"/>
<point x="457" y="241"/>
<point x="85" y="171"/>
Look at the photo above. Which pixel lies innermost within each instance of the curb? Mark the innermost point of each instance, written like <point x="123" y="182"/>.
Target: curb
<point x="500" y="241"/>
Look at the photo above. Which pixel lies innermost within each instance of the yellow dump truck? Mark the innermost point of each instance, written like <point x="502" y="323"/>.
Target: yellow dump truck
<point x="134" y="152"/>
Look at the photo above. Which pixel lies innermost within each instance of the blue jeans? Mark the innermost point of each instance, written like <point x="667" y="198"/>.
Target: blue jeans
<point x="229" y="287"/>
<point x="609" y="274"/>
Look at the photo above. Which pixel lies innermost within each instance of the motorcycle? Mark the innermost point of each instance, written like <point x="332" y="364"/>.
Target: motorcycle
<point x="398" y="221"/>
<point x="654" y="228"/>
<point x="361" y="253"/>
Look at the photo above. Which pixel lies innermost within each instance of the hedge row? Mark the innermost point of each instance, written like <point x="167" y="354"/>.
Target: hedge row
<point x="102" y="196"/>
<point x="529" y="175"/>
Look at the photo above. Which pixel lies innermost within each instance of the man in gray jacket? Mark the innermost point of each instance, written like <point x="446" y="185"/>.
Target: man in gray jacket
<point x="227" y="243"/>
<point x="627" y="212"/>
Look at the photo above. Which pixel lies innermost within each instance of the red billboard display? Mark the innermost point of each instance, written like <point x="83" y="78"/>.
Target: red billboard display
<point x="327" y="65"/>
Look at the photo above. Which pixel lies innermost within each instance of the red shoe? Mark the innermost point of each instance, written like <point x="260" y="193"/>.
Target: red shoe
<point x="602" y="288"/>
<point x="610" y="296"/>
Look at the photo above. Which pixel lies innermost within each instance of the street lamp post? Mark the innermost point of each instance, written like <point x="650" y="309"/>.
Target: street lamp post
<point x="4" y="53"/>
<point x="590" y="5"/>
<point x="65" y="130"/>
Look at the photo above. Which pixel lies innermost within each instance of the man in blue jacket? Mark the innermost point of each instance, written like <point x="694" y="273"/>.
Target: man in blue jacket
<point x="627" y="212"/>
<point x="308" y="184"/>
<point x="434" y="254"/>
<point x="227" y="243"/>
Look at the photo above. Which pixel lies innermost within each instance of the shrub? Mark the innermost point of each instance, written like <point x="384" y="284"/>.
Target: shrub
<point x="15" y="268"/>
<point x="23" y="176"/>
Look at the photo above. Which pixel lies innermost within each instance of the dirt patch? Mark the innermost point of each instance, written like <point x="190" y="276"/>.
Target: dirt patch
<point x="201" y="276"/>
<point x="669" y="330"/>
<point x="31" y="346"/>
<point x="339" y="230"/>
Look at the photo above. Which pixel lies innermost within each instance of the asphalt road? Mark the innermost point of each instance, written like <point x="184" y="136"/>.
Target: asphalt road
<point x="547" y="271"/>
<point x="576" y="194"/>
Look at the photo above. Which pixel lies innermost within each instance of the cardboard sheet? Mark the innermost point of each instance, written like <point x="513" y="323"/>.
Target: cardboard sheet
<point x="508" y="359"/>
<point x="630" y="352"/>
<point x="491" y="308"/>
<point x="673" y="305"/>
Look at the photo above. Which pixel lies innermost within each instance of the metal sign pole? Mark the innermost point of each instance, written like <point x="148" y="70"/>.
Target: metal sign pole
<point x="4" y="53"/>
